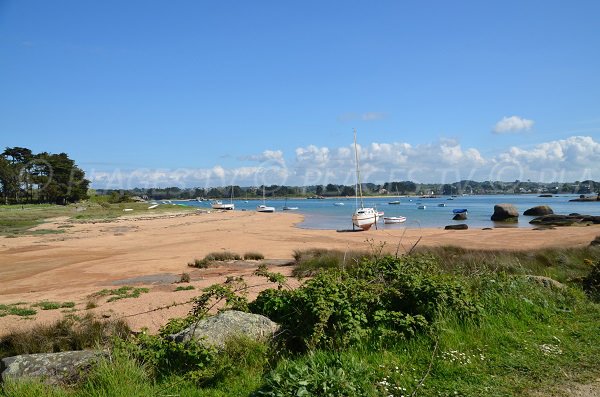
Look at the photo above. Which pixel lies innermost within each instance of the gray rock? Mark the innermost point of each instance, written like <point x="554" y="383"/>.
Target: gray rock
<point x="565" y="220"/>
<point x="539" y="211"/>
<point x="461" y="226"/>
<point x="217" y="329"/>
<point x="51" y="368"/>
<point x="505" y="213"/>
<point x="460" y="216"/>
<point x="596" y="241"/>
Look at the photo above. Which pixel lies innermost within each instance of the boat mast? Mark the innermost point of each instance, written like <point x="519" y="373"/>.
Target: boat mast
<point x="359" y="185"/>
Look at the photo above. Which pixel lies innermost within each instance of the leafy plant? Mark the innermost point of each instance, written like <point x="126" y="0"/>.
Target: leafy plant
<point x="186" y="288"/>
<point x="48" y="305"/>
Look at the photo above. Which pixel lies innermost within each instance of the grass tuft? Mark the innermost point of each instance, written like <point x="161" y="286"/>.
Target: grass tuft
<point x="253" y="256"/>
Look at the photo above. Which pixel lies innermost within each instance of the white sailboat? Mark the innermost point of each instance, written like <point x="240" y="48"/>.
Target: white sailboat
<point x="263" y="207"/>
<point x="363" y="217"/>
<point x="219" y="205"/>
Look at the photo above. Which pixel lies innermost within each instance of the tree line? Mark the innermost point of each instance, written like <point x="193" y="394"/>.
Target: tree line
<point x="27" y="177"/>
<point x="333" y="190"/>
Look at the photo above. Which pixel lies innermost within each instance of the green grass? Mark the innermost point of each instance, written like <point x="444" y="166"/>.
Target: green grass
<point x="124" y="292"/>
<point x="18" y="220"/>
<point x="526" y="338"/>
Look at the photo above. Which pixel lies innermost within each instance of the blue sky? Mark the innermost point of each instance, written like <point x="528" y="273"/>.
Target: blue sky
<point x="198" y="93"/>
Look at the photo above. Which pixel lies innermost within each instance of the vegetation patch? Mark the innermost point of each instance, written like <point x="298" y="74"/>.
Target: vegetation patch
<point x="48" y="305"/>
<point x="253" y="256"/>
<point x="121" y="293"/>
<point x="185" y="288"/>
<point x="311" y="261"/>
<point x="16" y="309"/>
<point x="222" y="256"/>
<point x="69" y="333"/>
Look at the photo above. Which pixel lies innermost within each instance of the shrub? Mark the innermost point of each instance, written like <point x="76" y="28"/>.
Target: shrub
<point x="186" y="288"/>
<point x="199" y="263"/>
<point x="385" y="298"/>
<point x="16" y="309"/>
<point x="222" y="256"/>
<point x="47" y="305"/>
<point x="253" y="256"/>
<point x="591" y="282"/>
<point x="121" y="293"/>
<point x="184" y="278"/>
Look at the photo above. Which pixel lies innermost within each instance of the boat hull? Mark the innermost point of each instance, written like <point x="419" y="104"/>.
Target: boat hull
<point x="364" y="218"/>
<point x="264" y="208"/>
<point x="394" y="219"/>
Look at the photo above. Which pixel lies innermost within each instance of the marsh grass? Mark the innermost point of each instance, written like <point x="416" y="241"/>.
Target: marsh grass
<point x="219" y="256"/>
<point x="184" y="288"/>
<point x="253" y="256"/>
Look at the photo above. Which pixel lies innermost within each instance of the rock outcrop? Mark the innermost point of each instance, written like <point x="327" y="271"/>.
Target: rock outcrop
<point x="565" y="220"/>
<point x="51" y="368"/>
<point x="545" y="281"/>
<point x="461" y="226"/>
<point x="460" y="216"/>
<point x="505" y="213"/>
<point x="215" y="330"/>
<point x="539" y="211"/>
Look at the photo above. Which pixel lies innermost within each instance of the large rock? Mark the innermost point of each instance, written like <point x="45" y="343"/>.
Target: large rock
<point x="596" y="241"/>
<point x="217" y="329"/>
<point x="51" y="368"/>
<point x="462" y="216"/>
<point x="505" y="213"/>
<point x="546" y="282"/>
<point x="565" y="220"/>
<point x="539" y="211"/>
<point x="460" y="226"/>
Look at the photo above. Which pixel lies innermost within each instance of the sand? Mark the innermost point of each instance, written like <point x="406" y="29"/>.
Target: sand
<point x="154" y="251"/>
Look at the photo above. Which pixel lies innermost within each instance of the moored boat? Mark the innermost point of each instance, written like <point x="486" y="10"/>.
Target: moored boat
<point x="394" y="219"/>
<point x="459" y="210"/>
<point x="363" y="217"/>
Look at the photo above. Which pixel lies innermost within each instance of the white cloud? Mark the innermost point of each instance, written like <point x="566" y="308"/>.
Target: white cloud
<point x="371" y="116"/>
<point x="443" y="161"/>
<point x="512" y="124"/>
<point x="273" y="156"/>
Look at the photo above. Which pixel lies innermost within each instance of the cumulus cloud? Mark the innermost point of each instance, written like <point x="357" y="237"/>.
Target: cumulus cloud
<point x="443" y="161"/>
<point x="512" y="124"/>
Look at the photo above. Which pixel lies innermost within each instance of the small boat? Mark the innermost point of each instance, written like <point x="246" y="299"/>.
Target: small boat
<point x="363" y="217"/>
<point x="263" y="207"/>
<point x="421" y="206"/>
<point x="459" y="210"/>
<point x="449" y="198"/>
<point x="394" y="219"/>
<point x="395" y="202"/>
<point x="338" y="204"/>
<point x="441" y="205"/>
<point x="219" y="205"/>
<point x="286" y="208"/>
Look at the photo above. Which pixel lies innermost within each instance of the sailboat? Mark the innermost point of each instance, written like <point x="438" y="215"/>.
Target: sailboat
<point x="286" y="208"/>
<point x="219" y="205"/>
<point x="263" y="207"/>
<point x="363" y="217"/>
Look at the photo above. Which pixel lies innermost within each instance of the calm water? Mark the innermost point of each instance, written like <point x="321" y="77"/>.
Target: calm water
<point x="322" y="214"/>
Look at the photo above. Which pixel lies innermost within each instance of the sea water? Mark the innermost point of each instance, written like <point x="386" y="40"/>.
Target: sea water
<point x="323" y="214"/>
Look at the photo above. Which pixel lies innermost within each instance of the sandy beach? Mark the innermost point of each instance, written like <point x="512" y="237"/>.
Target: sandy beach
<point x="154" y="252"/>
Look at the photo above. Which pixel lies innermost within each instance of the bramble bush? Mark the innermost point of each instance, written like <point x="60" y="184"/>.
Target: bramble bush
<point x="389" y="297"/>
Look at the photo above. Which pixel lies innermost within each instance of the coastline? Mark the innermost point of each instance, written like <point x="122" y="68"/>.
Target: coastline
<point x="152" y="251"/>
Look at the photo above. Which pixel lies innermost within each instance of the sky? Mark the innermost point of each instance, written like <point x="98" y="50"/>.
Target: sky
<point x="211" y="93"/>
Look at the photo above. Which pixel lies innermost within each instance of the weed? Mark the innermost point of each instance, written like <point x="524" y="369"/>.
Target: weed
<point x="48" y="305"/>
<point x="222" y="256"/>
<point x="16" y="309"/>
<point x="199" y="263"/>
<point x="184" y="278"/>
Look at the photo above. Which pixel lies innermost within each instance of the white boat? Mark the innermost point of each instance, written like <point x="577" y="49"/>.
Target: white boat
<point x="421" y="206"/>
<point x="395" y="202"/>
<point x="441" y="205"/>
<point x="263" y="207"/>
<point x="394" y="219"/>
<point x="338" y="204"/>
<point x="363" y="217"/>
<point x="219" y="205"/>
<point x="286" y="208"/>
